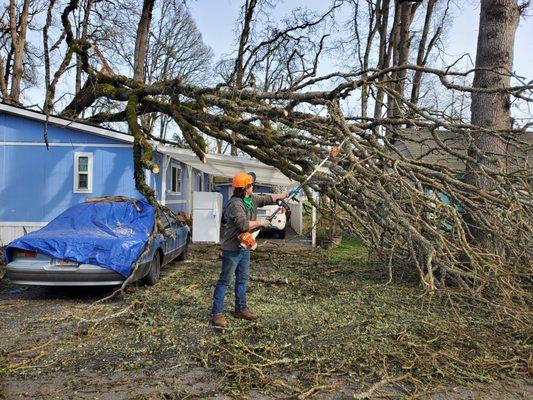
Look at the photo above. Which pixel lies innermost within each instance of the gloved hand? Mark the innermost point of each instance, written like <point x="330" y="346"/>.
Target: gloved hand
<point x="294" y="192"/>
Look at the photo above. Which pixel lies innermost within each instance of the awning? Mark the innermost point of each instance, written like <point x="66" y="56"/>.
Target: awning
<point x="227" y="166"/>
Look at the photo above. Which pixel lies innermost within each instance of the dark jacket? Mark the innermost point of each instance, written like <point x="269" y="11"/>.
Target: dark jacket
<point x="238" y="217"/>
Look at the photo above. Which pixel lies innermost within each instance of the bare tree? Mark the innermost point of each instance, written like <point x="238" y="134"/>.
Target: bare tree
<point x="17" y="56"/>
<point x="278" y="56"/>
<point x="174" y="49"/>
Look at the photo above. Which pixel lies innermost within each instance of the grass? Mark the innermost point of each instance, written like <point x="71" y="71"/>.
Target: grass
<point x="350" y="251"/>
<point x="337" y="324"/>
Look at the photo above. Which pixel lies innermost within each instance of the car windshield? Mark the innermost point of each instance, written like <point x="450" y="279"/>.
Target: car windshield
<point x="162" y="218"/>
<point x="172" y="220"/>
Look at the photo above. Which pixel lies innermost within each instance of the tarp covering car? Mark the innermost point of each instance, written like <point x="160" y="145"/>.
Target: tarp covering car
<point x="110" y="234"/>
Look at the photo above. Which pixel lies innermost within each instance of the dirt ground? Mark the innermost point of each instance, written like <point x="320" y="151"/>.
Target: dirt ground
<point x="335" y="330"/>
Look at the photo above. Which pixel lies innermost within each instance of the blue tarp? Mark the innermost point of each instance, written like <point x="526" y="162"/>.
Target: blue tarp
<point x="107" y="234"/>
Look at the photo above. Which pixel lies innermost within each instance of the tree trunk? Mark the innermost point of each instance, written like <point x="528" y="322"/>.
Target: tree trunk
<point x="374" y="15"/>
<point x="249" y="9"/>
<point x="422" y="52"/>
<point x="84" y="32"/>
<point x="18" y="39"/>
<point x="401" y="46"/>
<point x="383" y="55"/>
<point x="141" y="40"/>
<point x="494" y="62"/>
<point x="333" y="237"/>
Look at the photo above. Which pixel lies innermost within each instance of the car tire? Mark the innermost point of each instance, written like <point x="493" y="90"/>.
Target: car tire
<point x="154" y="272"/>
<point x="282" y="233"/>
<point x="184" y="253"/>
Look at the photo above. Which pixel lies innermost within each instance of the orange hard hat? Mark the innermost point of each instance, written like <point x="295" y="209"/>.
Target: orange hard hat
<point x="241" y="180"/>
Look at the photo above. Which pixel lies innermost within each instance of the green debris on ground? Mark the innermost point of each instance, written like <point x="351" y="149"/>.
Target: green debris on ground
<point x="336" y="322"/>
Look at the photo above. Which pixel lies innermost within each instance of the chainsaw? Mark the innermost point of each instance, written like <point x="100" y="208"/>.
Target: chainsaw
<point x="248" y="239"/>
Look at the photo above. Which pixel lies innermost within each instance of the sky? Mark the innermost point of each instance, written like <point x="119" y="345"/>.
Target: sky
<point x="216" y="20"/>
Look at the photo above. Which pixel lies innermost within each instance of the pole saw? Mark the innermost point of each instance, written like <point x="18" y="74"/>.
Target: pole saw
<point x="248" y="239"/>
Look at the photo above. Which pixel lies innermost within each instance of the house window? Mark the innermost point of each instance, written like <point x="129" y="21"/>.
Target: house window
<point x="83" y="172"/>
<point x="175" y="180"/>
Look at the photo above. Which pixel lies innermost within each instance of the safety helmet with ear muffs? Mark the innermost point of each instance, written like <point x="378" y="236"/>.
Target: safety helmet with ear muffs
<point x="241" y="180"/>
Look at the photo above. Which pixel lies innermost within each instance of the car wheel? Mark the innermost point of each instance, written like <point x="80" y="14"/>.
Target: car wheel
<point x="184" y="253"/>
<point x="154" y="272"/>
<point x="282" y="233"/>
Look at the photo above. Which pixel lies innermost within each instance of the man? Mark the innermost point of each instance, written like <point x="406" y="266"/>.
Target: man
<point x="241" y="216"/>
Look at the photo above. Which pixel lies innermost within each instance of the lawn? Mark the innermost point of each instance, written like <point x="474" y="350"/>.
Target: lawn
<point x="335" y="329"/>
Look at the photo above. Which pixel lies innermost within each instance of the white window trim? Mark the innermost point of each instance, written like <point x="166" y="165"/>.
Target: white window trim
<point x="179" y="179"/>
<point x="89" y="156"/>
<point x="176" y="201"/>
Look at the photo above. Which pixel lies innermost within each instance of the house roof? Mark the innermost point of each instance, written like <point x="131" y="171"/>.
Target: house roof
<point x="227" y="166"/>
<point x="65" y="123"/>
<point x="420" y="144"/>
<point x="217" y="165"/>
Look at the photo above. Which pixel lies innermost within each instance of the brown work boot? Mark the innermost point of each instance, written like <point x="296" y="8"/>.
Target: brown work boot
<point x="219" y="321"/>
<point x="245" y="314"/>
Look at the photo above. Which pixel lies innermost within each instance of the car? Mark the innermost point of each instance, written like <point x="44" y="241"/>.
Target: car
<point x="279" y="224"/>
<point x="28" y="267"/>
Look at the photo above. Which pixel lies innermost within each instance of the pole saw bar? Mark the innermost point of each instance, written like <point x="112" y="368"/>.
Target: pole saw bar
<point x="332" y="154"/>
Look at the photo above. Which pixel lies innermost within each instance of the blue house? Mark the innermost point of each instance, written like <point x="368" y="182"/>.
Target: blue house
<point x="82" y="161"/>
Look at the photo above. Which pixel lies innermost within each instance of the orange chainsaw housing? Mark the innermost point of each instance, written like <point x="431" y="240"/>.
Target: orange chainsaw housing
<point x="248" y="239"/>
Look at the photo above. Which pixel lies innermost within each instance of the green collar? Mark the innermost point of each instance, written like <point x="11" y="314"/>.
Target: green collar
<point x="248" y="202"/>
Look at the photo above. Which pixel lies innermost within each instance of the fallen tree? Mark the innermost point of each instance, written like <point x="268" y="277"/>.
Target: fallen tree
<point x="417" y="208"/>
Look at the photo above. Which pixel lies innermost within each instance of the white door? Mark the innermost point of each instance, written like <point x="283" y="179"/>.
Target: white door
<point x="206" y="217"/>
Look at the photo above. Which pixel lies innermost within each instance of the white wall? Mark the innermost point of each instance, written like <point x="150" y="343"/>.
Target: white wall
<point x="10" y="231"/>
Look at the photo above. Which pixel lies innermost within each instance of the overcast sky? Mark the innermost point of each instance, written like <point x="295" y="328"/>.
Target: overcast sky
<point x="216" y="20"/>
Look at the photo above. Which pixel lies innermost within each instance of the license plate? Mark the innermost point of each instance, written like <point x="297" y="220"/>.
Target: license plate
<point x="65" y="262"/>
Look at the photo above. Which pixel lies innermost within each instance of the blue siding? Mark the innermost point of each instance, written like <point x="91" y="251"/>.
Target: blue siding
<point x="181" y="207"/>
<point x="37" y="184"/>
<point x="155" y="179"/>
<point x="224" y="190"/>
<point x="19" y="129"/>
<point x="203" y="178"/>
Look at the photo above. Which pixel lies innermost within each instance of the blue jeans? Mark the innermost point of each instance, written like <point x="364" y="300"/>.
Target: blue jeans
<point x="233" y="263"/>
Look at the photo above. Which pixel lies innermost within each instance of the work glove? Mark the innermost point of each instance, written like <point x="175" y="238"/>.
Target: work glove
<point x="294" y="192"/>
